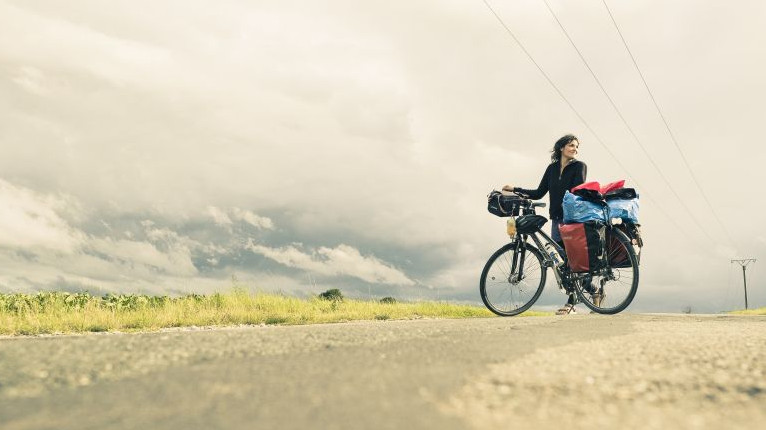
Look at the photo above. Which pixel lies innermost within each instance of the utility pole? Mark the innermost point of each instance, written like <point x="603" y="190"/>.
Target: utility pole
<point x="744" y="262"/>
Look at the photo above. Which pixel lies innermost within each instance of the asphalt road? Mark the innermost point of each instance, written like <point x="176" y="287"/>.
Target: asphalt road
<point x="581" y="371"/>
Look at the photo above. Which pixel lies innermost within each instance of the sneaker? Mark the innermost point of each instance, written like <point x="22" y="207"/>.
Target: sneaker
<point x="566" y="310"/>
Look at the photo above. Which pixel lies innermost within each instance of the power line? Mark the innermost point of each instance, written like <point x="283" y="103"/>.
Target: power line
<point x="625" y="122"/>
<point x="580" y="117"/>
<point x="667" y="127"/>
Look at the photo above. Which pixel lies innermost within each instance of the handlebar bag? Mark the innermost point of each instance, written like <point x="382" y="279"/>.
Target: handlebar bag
<point x="584" y="244"/>
<point x="502" y="205"/>
<point x="579" y="209"/>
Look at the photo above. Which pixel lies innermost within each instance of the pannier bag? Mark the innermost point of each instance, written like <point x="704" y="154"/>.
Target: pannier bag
<point x="584" y="244"/>
<point x="579" y="209"/>
<point x="503" y="205"/>
<point x="617" y="254"/>
<point x="623" y="203"/>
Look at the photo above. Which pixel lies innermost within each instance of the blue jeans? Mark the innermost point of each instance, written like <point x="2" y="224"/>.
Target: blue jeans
<point x="555" y="233"/>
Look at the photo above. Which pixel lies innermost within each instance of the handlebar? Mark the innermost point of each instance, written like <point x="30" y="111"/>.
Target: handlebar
<point x="526" y="201"/>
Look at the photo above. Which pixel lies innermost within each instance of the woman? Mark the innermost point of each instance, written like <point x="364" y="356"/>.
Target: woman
<point x="564" y="173"/>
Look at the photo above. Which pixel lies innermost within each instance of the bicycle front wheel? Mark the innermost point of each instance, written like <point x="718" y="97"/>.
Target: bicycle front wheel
<point x="512" y="279"/>
<point x="610" y="291"/>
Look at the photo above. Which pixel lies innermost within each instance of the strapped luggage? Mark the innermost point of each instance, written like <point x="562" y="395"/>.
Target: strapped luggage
<point x="585" y="205"/>
<point x="623" y="203"/>
<point x="596" y="186"/>
<point x="502" y="205"/>
<point x="584" y="244"/>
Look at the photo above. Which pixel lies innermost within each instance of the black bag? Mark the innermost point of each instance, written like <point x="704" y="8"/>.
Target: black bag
<point x="584" y="244"/>
<point x="618" y="256"/>
<point x="502" y="205"/>
<point x="621" y="194"/>
<point x="590" y="195"/>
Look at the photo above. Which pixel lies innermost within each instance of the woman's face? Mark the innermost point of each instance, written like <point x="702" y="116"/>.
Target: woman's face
<point x="570" y="149"/>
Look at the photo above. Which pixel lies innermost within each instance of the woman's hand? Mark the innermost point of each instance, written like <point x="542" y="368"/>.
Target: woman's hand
<point x="508" y="188"/>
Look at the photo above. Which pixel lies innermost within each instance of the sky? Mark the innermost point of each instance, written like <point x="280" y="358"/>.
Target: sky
<point x="173" y="147"/>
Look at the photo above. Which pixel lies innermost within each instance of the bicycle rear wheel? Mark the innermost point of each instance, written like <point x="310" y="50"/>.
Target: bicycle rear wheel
<point x="510" y="286"/>
<point x="611" y="290"/>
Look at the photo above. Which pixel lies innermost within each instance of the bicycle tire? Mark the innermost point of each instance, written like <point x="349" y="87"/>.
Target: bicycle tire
<point x="617" y="284"/>
<point x="501" y="288"/>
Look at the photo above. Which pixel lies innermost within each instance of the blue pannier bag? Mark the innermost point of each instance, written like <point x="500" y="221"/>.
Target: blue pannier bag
<point x="579" y="210"/>
<point x="623" y="203"/>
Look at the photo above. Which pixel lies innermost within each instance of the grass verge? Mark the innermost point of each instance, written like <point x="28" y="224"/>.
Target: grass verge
<point x="56" y="312"/>
<point x="759" y="311"/>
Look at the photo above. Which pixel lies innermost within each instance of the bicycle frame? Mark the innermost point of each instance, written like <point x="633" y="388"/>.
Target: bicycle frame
<point x="547" y="259"/>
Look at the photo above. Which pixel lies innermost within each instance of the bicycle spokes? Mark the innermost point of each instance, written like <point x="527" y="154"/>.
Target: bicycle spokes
<point x="512" y="279"/>
<point x="612" y="289"/>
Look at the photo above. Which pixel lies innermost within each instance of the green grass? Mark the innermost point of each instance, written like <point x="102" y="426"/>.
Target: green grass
<point x="57" y="312"/>
<point x="759" y="311"/>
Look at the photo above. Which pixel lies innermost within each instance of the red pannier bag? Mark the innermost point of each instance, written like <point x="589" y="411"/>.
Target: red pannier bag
<point x="584" y="245"/>
<point x="616" y="252"/>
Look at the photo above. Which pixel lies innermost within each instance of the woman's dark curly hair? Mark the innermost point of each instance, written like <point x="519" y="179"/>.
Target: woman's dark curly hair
<point x="556" y="151"/>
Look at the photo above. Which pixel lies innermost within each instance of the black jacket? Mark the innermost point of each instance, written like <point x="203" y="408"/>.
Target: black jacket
<point x="573" y="175"/>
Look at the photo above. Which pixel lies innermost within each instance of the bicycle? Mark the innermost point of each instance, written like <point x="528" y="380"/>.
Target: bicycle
<point x="512" y="281"/>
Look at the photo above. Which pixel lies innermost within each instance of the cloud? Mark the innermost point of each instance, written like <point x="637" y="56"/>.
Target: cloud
<point x="220" y="217"/>
<point x="31" y="79"/>
<point x="349" y="122"/>
<point x="254" y="220"/>
<point x="226" y="218"/>
<point x="35" y="233"/>
<point x="118" y="60"/>
<point x="174" y="261"/>
<point x="342" y="260"/>
<point x="29" y="220"/>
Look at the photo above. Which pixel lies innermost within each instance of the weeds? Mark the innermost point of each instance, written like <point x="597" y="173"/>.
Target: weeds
<point x="60" y="312"/>
<point x="757" y="311"/>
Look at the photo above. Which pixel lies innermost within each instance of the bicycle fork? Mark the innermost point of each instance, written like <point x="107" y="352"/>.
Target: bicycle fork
<point x="518" y="262"/>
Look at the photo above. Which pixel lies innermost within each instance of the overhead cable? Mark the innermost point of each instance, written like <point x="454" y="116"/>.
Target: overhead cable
<point x="667" y="127"/>
<point x="625" y="122"/>
<point x="580" y="117"/>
